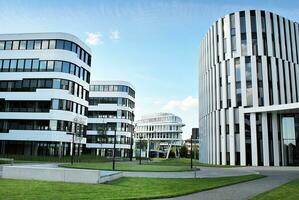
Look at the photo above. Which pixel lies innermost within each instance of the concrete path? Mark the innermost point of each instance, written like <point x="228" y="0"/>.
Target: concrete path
<point x="204" y="172"/>
<point x="275" y="177"/>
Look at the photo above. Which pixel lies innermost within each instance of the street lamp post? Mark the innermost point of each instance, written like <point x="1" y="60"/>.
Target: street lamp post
<point x="72" y="157"/>
<point x="131" y="142"/>
<point x="140" y="150"/>
<point x="191" y="154"/>
<point x="113" y="161"/>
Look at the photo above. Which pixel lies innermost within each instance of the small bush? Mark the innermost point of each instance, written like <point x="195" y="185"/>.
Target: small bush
<point x="183" y="152"/>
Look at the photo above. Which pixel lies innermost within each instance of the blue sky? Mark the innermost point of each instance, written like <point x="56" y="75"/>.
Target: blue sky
<point x="152" y="44"/>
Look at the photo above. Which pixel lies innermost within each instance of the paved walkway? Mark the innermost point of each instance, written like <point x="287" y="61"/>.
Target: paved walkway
<point x="275" y="177"/>
<point x="204" y="172"/>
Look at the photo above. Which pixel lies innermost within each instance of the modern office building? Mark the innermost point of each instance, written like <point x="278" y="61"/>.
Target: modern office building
<point x="111" y="112"/>
<point x="44" y="83"/>
<point x="160" y="132"/>
<point x="249" y="90"/>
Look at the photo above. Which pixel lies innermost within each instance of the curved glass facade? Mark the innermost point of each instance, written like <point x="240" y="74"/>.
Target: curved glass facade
<point x="46" y="44"/>
<point x="111" y="111"/>
<point x="43" y="99"/>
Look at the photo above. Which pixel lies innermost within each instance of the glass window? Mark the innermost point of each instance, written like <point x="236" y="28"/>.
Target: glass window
<point x="37" y="44"/>
<point x="28" y="64"/>
<point x="43" y="65"/>
<point x="45" y="44"/>
<point x="74" y="47"/>
<point x="82" y="55"/>
<point x="41" y="83"/>
<point x="48" y="83"/>
<point x="238" y="72"/>
<point x="71" y="87"/>
<point x="20" y="65"/>
<point x="52" y="44"/>
<point x="64" y="84"/>
<point x="77" y="70"/>
<point x="59" y="44"/>
<point x="86" y="57"/>
<point x="50" y="66"/>
<point x="242" y="22"/>
<point x="55" y="104"/>
<point x="58" y="66"/>
<point x="26" y="83"/>
<point x="89" y="60"/>
<point x="78" y="52"/>
<point x="18" y="85"/>
<point x="72" y="69"/>
<point x="30" y="44"/>
<point x="15" y="45"/>
<point x="53" y="125"/>
<point x="66" y="67"/>
<point x="23" y="45"/>
<point x="68" y="45"/>
<point x="85" y="75"/>
<point x="100" y="88"/>
<point x="33" y="83"/>
<point x="5" y="67"/>
<point x="56" y="83"/>
<point x="91" y="88"/>
<point x="81" y="73"/>
<point x="13" y="65"/>
<point x="35" y="64"/>
<point x="8" y="45"/>
<point x="2" y="44"/>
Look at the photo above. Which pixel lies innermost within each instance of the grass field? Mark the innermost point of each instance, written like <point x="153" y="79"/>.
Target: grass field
<point x="123" y="188"/>
<point x="82" y="158"/>
<point x="288" y="191"/>
<point x="170" y="165"/>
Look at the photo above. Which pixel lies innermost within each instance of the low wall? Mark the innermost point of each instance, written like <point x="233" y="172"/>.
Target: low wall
<point x="111" y="177"/>
<point x="52" y="174"/>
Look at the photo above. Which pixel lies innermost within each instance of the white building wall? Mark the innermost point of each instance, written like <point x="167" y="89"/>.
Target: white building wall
<point x="43" y="94"/>
<point x="276" y="94"/>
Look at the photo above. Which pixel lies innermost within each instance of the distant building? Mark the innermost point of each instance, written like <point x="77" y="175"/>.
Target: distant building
<point x="160" y="132"/>
<point x="44" y="84"/>
<point x="111" y="109"/>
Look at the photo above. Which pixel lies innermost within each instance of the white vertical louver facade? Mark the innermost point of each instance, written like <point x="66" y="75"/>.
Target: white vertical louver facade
<point x="111" y="108"/>
<point x="248" y="90"/>
<point x="44" y="86"/>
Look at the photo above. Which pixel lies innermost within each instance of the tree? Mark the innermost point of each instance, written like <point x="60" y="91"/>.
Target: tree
<point x="183" y="152"/>
<point x="171" y="154"/>
<point x="195" y="152"/>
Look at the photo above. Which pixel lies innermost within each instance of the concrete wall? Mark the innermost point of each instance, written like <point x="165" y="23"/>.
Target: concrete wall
<point x="52" y="174"/>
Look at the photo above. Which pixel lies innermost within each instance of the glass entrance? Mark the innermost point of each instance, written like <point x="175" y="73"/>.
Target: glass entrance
<point x="290" y="141"/>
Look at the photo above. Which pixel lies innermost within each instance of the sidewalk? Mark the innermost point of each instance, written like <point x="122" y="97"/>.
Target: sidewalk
<point x="249" y="189"/>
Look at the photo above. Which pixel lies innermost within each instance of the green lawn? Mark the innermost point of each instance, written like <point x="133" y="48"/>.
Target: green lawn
<point x="287" y="191"/>
<point x="123" y="188"/>
<point x="82" y="158"/>
<point x="170" y="165"/>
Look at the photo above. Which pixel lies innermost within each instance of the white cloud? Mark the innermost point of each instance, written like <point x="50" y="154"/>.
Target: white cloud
<point x="186" y="104"/>
<point x="94" y="38"/>
<point x="114" y="35"/>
